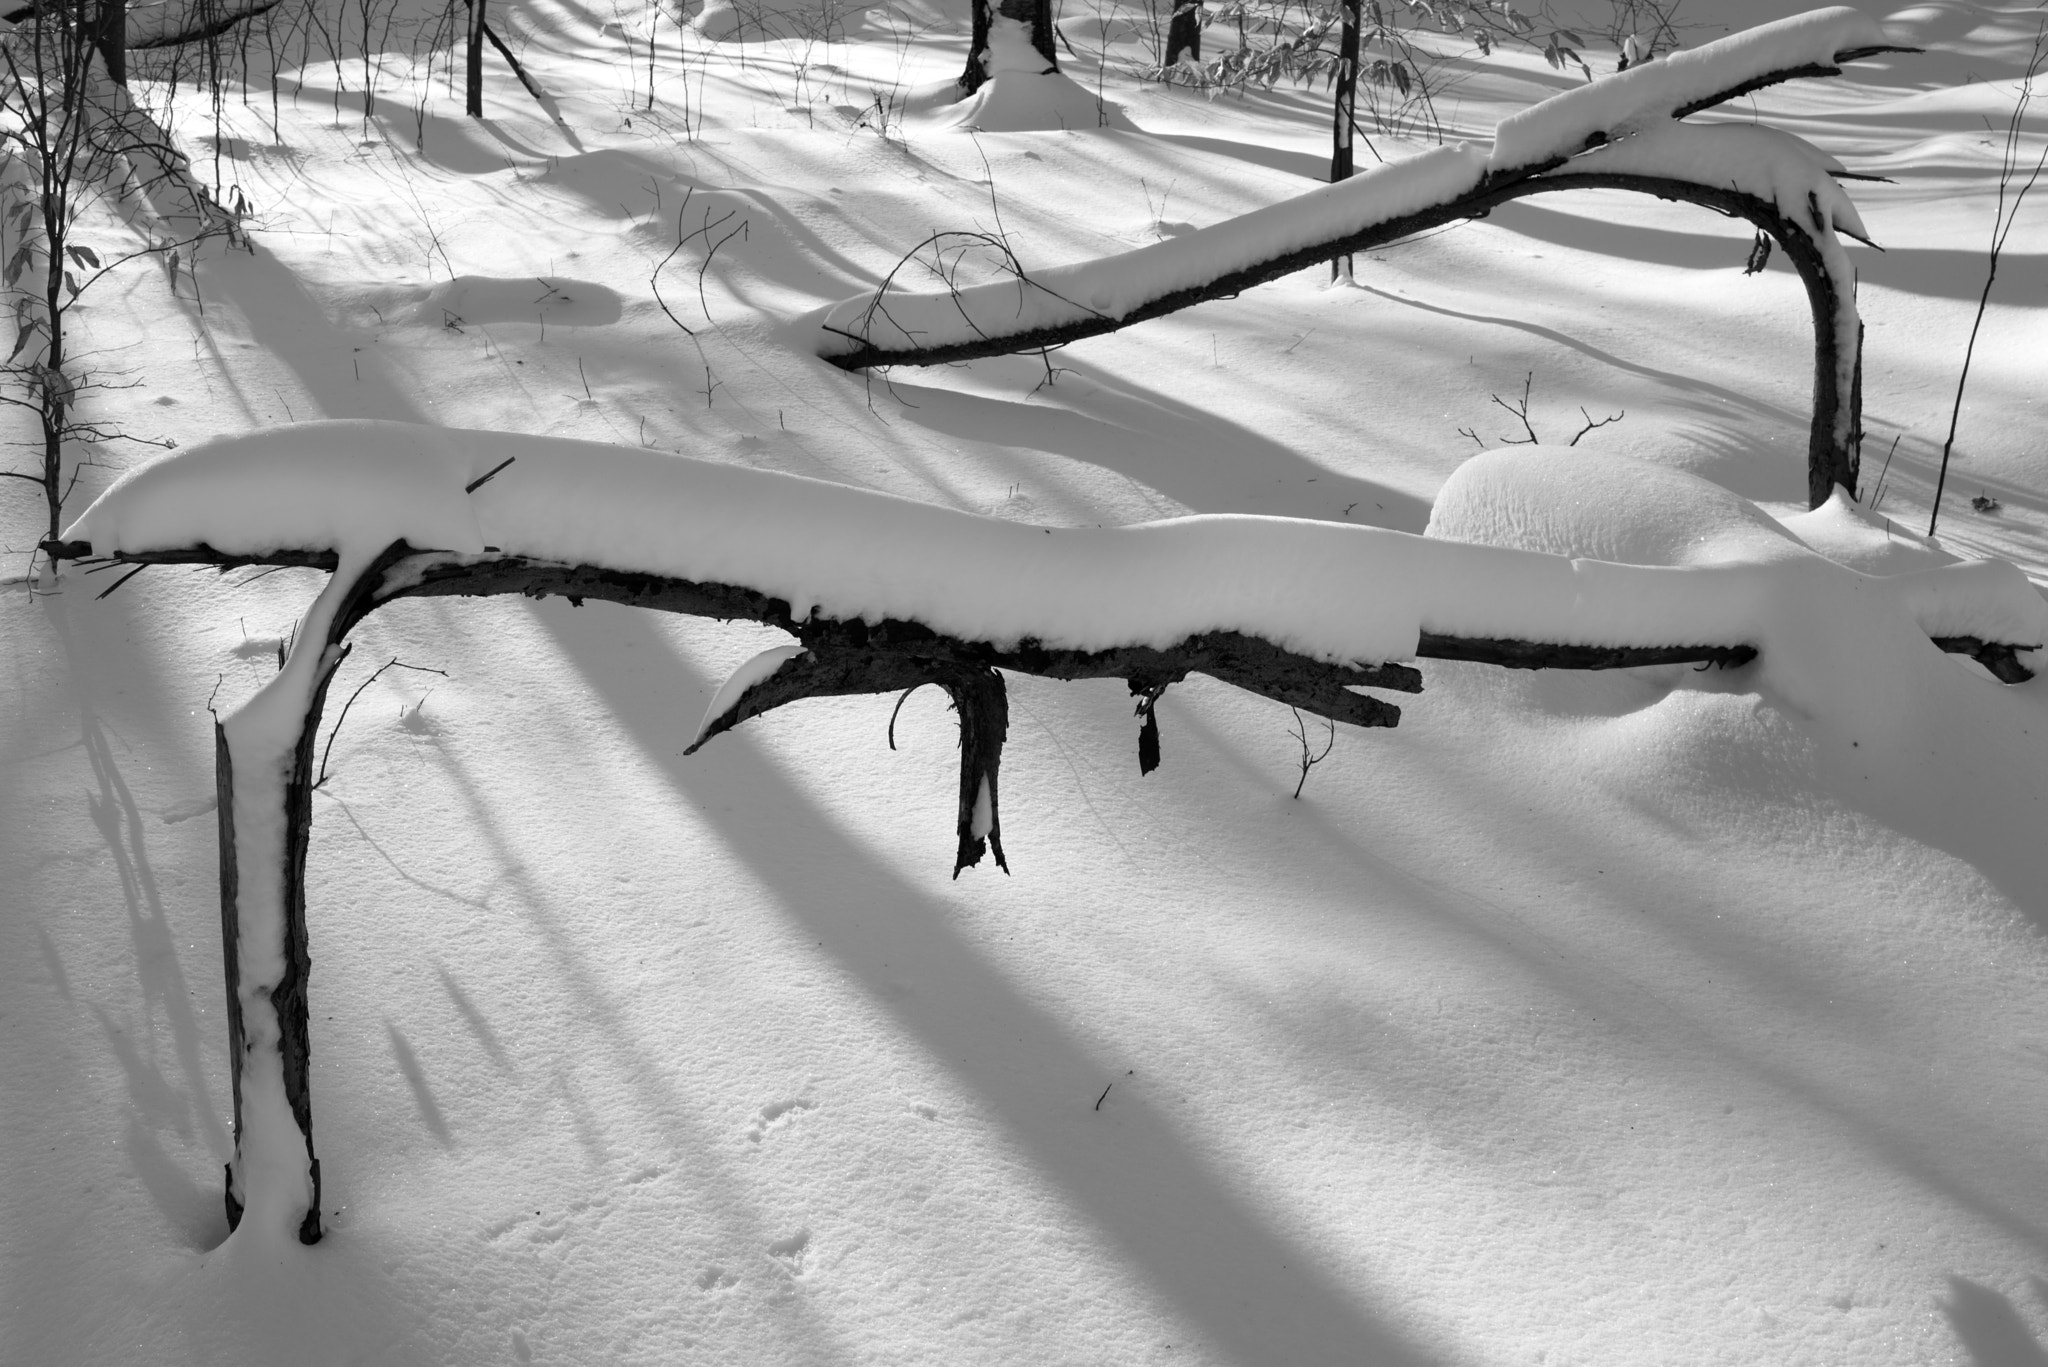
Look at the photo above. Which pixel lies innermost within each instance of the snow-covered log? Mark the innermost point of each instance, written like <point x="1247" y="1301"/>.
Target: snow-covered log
<point x="883" y="594"/>
<point x="1618" y="132"/>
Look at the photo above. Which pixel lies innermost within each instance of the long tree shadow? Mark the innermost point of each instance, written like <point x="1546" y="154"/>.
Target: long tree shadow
<point x="1254" y="1291"/>
<point x="156" y="1101"/>
<point x="1936" y="272"/>
<point x="345" y="379"/>
<point x="1993" y="1332"/>
<point x="1903" y="1140"/>
<point x="1202" y="461"/>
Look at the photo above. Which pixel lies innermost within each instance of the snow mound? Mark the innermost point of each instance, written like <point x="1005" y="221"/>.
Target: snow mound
<point x="1847" y="650"/>
<point x="1031" y="102"/>
<point x="755" y="21"/>
<point x="1561" y="500"/>
<point x="1866" y="541"/>
<point x="1024" y="93"/>
<point x="522" y="299"/>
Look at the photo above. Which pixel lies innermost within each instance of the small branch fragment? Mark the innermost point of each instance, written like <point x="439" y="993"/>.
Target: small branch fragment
<point x="1511" y="654"/>
<point x="984" y="707"/>
<point x="1148" y="730"/>
<point x="487" y="476"/>
<point x="1309" y="760"/>
<point x="393" y="663"/>
<point x="2001" y="659"/>
<point x="1521" y="411"/>
<point x="1591" y="424"/>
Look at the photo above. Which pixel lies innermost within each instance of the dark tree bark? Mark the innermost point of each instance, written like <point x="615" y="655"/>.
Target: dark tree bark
<point x="473" y="63"/>
<point x="1183" y="33"/>
<point x="1037" y="14"/>
<point x="111" y="37"/>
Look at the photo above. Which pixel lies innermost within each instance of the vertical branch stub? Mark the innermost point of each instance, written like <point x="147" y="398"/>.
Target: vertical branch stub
<point x="983" y="703"/>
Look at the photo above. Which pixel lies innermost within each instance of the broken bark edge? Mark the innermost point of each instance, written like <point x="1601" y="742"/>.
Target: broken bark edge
<point x="2002" y="659"/>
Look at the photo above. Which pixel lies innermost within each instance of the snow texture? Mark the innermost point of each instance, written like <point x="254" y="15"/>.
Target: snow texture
<point x="1630" y="101"/>
<point x="1607" y="1018"/>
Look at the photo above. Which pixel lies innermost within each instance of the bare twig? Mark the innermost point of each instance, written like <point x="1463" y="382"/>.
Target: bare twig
<point x="487" y="476"/>
<point x="1591" y="424"/>
<point x="1310" y="760"/>
<point x="393" y="662"/>
<point x="2002" y="219"/>
<point x="1521" y="411"/>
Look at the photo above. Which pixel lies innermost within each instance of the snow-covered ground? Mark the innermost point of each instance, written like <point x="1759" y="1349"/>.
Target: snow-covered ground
<point x="1649" y="1017"/>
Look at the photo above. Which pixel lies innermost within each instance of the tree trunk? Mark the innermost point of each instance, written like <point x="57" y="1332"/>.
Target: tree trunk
<point x="1184" y="33"/>
<point x="473" y="70"/>
<point x="112" y="39"/>
<point x="1345" y="116"/>
<point x="1034" y="14"/>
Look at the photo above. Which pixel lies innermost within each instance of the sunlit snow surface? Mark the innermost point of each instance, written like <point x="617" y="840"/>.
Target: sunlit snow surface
<point x="1614" y="1019"/>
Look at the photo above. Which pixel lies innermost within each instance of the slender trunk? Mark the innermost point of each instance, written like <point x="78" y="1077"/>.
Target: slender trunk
<point x="1345" y="116"/>
<point x="54" y="389"/>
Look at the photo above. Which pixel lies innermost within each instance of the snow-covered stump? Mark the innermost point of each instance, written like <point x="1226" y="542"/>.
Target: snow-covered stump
<point x="264" y="777"/>
<point x="1623" y="131"/>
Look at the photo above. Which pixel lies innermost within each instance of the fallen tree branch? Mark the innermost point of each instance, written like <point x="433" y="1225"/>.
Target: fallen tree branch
<point x="836" y="657"/>
<point x="1061" y="314"/>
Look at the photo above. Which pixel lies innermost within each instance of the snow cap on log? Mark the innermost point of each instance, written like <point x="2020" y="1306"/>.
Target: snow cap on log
<point x="1115" y="286"/>
<point x="326" y="486"/>
<point x="1627" y="101"/>
<point x="1777" y="167"/>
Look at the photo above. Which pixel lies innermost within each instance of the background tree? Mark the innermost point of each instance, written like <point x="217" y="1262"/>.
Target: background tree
<point x="77" y="150"/>
<point x="1183" y="35"/>
<point x="1035" y="15"/>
